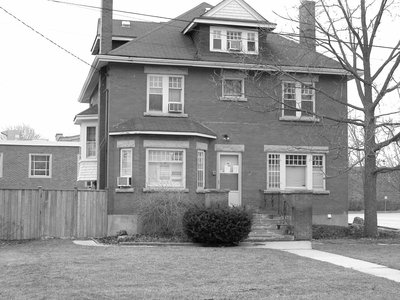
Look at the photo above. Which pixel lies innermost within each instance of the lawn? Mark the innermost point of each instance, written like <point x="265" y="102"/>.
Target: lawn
<point x="59" y="269"/>
<point x="382" y="251"/>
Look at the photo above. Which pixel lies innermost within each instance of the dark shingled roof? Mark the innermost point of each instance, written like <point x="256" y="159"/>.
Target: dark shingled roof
<point x="162" y="124"/>
<point x="90" y="111"/>
<point x="137" y="28"/>
<point x="166" y="41"/>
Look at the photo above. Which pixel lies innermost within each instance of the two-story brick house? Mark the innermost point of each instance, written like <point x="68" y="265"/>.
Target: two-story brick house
<point x="214" y="99"/>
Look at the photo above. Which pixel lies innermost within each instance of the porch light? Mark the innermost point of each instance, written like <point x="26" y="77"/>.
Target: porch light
<point x="226" y="137"/>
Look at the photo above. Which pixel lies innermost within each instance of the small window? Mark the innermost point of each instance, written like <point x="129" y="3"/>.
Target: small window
<point x="91" y="141"/>
<point x="201" y="164"/>
<point x="40" y="165"/>
<point x="234" y="40"/>
<point x="233" y="88"/>
<point x="216" y="41"/>
<point x="126" y="163"/>
<point x="155" y="93"/>
<point x="296" y="170"/>
<point x="251" y="42"/>
<point x="273" y="171"/>
<point x="318" y="172"/>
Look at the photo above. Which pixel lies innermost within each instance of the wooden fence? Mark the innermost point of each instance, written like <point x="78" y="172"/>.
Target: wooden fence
<point x="30" y="214"/>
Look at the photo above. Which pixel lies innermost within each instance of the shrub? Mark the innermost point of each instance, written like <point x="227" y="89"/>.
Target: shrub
<point x="329" y="232"/>
<point x="217" y="226"/>
<point x="161" y="213"/>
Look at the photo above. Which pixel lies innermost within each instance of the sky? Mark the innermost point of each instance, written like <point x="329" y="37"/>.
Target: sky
<point x="40" y="83"/>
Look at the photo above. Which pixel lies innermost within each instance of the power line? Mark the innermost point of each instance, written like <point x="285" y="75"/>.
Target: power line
<point x="197" y="30"/>
<point x="45" y="37"/>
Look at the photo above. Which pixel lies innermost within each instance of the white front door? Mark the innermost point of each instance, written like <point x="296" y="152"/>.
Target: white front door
<point x="229" y="176"/>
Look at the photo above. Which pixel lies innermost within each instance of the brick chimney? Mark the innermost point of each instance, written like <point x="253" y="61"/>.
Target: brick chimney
<point x="307" y="24"/>
<point x="106" y="26"/>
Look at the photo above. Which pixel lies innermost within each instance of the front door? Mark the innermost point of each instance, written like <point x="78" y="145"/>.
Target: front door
<point x="229" y="176"/>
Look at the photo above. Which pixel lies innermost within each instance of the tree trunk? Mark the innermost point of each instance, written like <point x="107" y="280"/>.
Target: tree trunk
<point x="370" y="204"/>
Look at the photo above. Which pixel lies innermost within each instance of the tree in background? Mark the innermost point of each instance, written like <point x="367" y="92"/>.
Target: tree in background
<point x="20" y="132"/>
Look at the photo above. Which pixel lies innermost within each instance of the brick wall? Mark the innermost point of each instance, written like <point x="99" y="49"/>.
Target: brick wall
<point x="16" y="167"/>
<point x="254" y="123"/>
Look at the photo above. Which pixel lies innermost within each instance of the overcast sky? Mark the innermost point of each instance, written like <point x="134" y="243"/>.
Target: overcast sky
<point x="40" y="83"/>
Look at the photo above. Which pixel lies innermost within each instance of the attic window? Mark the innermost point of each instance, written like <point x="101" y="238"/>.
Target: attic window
<point x="223" y="39"/>
<point x="126" y="24"/>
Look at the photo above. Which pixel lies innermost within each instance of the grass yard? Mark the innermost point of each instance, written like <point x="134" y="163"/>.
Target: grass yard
<point x="58" y="269"/>
<point x="382" y="251"/>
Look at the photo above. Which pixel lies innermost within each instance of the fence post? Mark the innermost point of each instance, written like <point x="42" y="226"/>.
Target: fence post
<point x="41" y="212"/>
<point x="74" y="221"/>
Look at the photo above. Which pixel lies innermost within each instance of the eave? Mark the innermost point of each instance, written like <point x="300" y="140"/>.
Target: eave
<point x="102" y="60"/>
<point x="164" y="133"/>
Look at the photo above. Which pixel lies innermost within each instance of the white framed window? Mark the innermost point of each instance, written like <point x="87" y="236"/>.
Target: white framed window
<point x="295" y="171"/>
<point x="225" y="39"/>
<point x="165" y="168"/>
<point x="1" y="164"/>
<point x="91" y="141"/>
<point x="165" y="93"/>
<point x="201" y="167"/>
<point x="233" y="88"/>
<point x="298" y="99"/>
<point x="40" y="165"/>
<point x="125" y="169"/>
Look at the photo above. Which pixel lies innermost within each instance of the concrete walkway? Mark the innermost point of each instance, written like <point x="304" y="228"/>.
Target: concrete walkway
<point x="303" y="248"/>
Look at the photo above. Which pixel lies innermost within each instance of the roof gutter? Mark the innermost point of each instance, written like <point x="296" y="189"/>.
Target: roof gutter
<point x="165" y="133"/>
<point x="102" y="60"/>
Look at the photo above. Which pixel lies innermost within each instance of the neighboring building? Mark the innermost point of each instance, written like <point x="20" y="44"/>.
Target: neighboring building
<point x="214" y="100"/>
<point x="30" y="164"/>
<point x="72" y="138"/>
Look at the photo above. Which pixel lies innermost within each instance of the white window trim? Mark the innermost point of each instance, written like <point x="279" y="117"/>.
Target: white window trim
<point x="309" y="171"/>
<point x="165" y="95"/>
<point x="120" y="161"/>
<point x="150" y="187"/>
<point x="224" y="30"/>
<point x="1" y="164"/>
<point x="86" y="141"/>
<point x="233" y="98"/>
<point x="50" y="165"/>
<point x="299" y="114"/>
<point x="203" y="170"/>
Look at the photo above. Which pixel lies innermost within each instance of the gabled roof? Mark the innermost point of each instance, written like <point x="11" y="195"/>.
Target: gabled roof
<point x="232" y="12"/>
<point x="162" y="125"/>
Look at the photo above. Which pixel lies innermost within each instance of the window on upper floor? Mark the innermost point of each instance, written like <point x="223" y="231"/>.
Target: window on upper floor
<point x="298" y="100"/>
<point x="224" y="39"/>
<point x="91" y="141"/>
<point x="295" y="171"/>
<point x="165" y="94"/>
<point x="40" y="165"/>
<point x="165" y="168"/>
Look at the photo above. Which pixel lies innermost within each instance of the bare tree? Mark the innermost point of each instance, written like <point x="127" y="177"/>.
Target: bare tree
<point x="21" y="132"/>
<point x="348" y="31"/>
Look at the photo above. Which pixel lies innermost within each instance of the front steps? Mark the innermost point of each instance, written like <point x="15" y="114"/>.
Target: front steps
<point x="265" y="228"/>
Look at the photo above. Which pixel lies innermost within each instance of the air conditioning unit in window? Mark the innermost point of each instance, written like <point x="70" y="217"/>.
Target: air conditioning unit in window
<point x="235" y="45"/>
<point x="175" y="107"/>
<point x="124" y="181"/>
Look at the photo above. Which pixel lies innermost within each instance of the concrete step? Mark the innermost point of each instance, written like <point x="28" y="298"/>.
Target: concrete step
<point x="265" y="228"/>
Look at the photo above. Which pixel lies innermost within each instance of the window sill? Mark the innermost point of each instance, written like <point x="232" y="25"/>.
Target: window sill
<point x="160" y="114"/>
<point x="165" y="190"/>
<point x="233" y="99"/>
<point x="299" y="119"/>
<point x="125" y="190"/>
<point x="214" y="191"/>
<point x="314" y="192"/>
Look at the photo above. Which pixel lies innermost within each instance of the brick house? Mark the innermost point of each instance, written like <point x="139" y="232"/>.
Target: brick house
<point x="207" y="102"/>
<point x="30" y="164"/>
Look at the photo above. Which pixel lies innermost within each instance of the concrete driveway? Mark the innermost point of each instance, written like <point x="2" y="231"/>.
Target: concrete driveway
<point x="386" y="219"/>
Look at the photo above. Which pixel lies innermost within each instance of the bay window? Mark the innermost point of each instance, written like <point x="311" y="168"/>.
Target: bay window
<point x="91" y="141"/>
<point x="201" y="164"/>
<point x="165" y="168"/>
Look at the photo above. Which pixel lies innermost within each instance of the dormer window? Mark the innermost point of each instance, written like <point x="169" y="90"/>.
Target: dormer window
<point x="224" y="39"/>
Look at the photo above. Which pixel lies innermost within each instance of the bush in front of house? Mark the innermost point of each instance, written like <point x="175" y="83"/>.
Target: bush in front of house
<point x="329" y="232"/>
<point x="223" y="226"/>
<point x="161" y="213"/>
